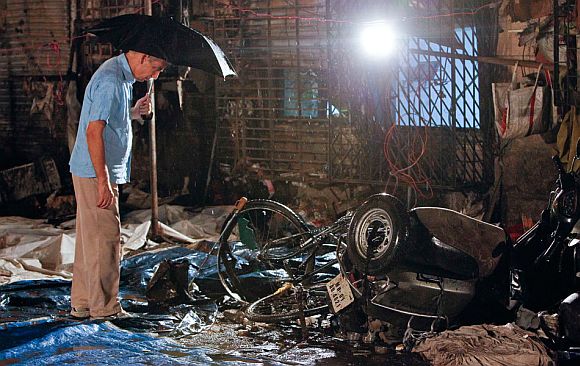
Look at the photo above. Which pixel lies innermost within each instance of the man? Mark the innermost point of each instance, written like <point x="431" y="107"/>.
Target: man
<point x="100" y="161"/>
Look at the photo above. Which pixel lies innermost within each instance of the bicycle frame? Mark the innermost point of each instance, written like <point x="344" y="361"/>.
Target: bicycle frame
<point x="298" y="260"/>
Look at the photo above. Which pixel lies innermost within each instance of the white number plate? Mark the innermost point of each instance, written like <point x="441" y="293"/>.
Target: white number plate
<point x="340" y="293"/>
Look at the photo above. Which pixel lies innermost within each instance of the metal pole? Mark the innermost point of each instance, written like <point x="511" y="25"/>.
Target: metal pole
<point x="153" y="149"/>
<point x="211" y="159"/>
<point x="556" y="47"/>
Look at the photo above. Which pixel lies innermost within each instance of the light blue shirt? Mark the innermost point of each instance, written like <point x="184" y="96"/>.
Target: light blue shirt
<point x="108" y="98"/>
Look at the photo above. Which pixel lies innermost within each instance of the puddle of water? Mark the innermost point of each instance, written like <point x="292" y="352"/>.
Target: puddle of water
<point x="284" y="346"/>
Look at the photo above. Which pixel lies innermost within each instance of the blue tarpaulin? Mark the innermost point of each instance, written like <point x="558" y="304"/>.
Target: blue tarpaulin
<point x="35" y="328"/>
<point x="61" y="342"/>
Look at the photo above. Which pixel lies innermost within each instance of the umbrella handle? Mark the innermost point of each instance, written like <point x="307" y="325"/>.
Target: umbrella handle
<point x="148" y="117"/>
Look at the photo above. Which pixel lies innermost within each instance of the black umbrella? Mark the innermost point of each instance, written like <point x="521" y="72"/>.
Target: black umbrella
<point x="164" y="38"/>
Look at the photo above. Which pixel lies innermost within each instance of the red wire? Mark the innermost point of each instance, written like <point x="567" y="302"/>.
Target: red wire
<point x="55" y="48"/>
<point x="490" y="6"/>
<point x="403" y="173"/>
<point x="323" y="20"/>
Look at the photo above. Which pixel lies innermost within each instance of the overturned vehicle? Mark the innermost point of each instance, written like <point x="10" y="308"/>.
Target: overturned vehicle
<point x="422" y="268"/>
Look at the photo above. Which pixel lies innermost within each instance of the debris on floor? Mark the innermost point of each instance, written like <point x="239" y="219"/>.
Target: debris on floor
<point x="485" y="345"/>
<point x="28" y="180"/>
<point x="181" y="313"/>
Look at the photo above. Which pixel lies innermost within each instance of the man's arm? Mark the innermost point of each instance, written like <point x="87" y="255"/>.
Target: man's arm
<point x="96" y="146"/>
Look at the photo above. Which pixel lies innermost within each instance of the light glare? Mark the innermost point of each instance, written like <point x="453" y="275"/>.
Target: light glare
<point x="378" y="39"/>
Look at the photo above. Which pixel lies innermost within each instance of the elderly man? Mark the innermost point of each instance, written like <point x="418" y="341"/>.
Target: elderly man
<point x="100" y="161"/>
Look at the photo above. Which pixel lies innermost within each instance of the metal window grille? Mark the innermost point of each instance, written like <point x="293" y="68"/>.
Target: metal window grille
<point x="309" y="105"/>
<point x="103" y="9"/>
<point x="94" y="53"/>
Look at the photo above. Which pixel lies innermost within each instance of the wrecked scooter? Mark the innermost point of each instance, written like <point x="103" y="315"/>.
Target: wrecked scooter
<point x="419" y="269"/>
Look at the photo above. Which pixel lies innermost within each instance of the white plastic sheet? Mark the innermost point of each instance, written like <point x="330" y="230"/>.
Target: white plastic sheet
<point x="31" y="245"/>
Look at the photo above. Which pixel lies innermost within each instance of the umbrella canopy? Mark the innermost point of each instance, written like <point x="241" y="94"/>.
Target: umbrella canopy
<point x="164" y="38"/>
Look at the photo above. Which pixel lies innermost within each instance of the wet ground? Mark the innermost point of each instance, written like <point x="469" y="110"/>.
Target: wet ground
<point x="30" y="327"/>
<point x="268" y="345"/>
<point x="56" y="339"/>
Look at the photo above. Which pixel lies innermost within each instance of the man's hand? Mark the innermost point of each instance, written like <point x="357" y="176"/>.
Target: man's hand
<point x="142" y="107"/>
<point x="96" y="147"/>
<point x="106" y="196"/>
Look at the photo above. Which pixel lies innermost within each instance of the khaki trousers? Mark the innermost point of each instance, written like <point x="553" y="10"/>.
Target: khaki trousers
<point x="95" y="283"/>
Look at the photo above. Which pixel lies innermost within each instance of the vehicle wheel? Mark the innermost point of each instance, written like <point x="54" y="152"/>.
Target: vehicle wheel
<point x="269" y="234"/>
<point x="382" y="223"/>
<point x="284" y="305"/>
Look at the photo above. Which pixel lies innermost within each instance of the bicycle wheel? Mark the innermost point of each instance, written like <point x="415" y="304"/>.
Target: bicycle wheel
<point x="379" y="227"/>
<point x="264" y="237"/>
<point x="284" y="305"/>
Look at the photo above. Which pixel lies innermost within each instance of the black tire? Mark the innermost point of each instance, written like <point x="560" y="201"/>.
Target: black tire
<point x="383" y="220"/>
<point x="284" y="306"/>
<point x="259" y="224"/>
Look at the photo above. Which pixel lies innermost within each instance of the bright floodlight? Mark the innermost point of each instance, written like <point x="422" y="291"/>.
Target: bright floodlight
<point x="378" y="39"/>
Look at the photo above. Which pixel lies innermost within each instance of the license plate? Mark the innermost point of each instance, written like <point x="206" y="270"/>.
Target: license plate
<point x="340" y="293"/>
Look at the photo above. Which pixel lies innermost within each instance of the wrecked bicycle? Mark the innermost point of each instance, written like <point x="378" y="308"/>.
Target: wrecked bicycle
<point x="422" y="269"/>
<point x="271" y="258"/>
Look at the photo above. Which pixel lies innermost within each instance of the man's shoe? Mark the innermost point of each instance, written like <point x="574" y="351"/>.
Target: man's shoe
<point x="80" y="313"/>
<point x="122" y="314"/>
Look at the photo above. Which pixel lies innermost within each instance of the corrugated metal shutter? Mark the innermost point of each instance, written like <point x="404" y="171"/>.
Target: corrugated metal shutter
<point x="5" y="126"/>
<point x="34" y="57"/>
<point x="35" y="29"/>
